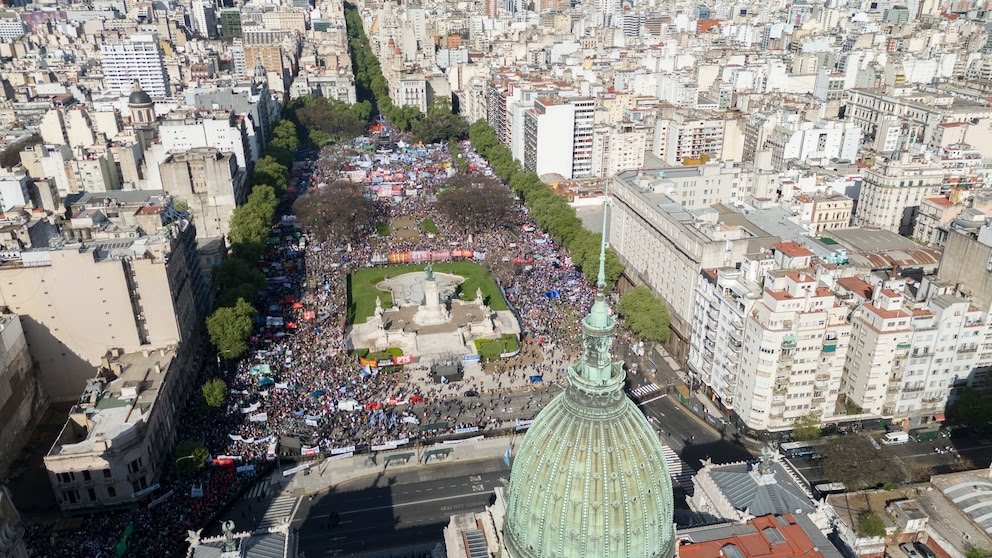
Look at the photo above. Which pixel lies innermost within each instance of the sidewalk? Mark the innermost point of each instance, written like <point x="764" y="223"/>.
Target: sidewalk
<point x="326" y="473"/>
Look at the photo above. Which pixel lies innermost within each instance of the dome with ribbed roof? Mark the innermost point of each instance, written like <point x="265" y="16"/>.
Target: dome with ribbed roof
<point x="589" y="479"/>
<point x="138" y="97"/>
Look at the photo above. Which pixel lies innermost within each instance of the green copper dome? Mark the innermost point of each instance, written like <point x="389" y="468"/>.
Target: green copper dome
<point x="589" y="479"/>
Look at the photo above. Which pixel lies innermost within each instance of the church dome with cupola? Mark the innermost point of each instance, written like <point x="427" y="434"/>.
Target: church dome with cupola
<point x="589" y="479"/>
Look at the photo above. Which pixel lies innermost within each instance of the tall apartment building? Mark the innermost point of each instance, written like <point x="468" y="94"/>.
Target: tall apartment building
<point x="618" y="148"/>
<point x="11" y="26"/>
<point x="893" y="189"/>
<point x="230" y="23"/>
<point x="558" y="136"/>
<point x="204" y="18"/>
<point x="22" y="397"/>
<point x="794" y="346"/>
<point x="665" y="245"/>
<point x="688" y="135"/>
<point x="903" y="362"/>
<point x="138" y="58"/>
<point x="120" y="435"/>
<point x="126" y="277"/>
<point x="724" y="298"/>
<point x="210" y="183"/>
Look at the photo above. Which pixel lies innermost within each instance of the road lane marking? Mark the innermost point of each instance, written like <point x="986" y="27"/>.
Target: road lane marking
<point x="404" y="504"/>
<point x="662" y="396"/>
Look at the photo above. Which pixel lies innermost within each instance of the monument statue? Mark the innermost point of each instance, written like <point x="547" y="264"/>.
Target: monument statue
<point x="378" y="307"/>
<point x="430" y="271"/>
<point x="229" y="544"/>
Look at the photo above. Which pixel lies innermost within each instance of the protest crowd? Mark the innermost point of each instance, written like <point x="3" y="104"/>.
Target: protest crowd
<point x="297" y="379"/>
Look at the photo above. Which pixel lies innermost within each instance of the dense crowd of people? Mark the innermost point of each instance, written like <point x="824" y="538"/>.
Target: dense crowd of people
<point x="297" y="378"/>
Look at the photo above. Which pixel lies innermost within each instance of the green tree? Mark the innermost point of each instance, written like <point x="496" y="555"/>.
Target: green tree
<point x="870" y="525"/>
<point x="978" y="552"/>
<point x="972" y="408"/>
<point x="214" y="391"/>
<point x="190" y="457"/>
<point x="236" y="272"/>
<point x="807" y="427"/>
<point x="229" y="328"/>
<point x="270" y="171"/>
<point x="475" y="203"/>
<point x="645" y="314"/>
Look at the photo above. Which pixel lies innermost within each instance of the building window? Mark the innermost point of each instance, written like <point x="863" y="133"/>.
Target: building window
<point x="92" y="494"/>
<point x="111" y="491"/>
<point x="106" y="473"/>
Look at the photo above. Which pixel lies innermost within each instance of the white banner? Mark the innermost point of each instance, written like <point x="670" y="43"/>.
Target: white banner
<point x="340" y="456"/>
<point x="282" y="385"/>
<point x="454" y="442"/>
<point x="235" y="437"/>
<point x="260" y="417"/>
<point x="339" y="451"/>
<point x="296" y="469"/>
<point x="231" y="457"/>
<point x="251" y="408"/>
<point x="466" y="430"/>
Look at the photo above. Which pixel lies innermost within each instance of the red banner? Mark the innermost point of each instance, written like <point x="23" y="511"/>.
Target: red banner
<point x="403" y="359"/>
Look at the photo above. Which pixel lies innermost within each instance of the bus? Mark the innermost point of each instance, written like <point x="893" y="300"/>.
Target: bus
<point x="809" y="449"/>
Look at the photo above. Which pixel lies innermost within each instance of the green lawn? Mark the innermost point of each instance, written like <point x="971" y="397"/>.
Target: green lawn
<point x="383" y="229"/>
<point x="490" y="349"/>
<point x="362" y="290"/>
<point x="428" y="226"/>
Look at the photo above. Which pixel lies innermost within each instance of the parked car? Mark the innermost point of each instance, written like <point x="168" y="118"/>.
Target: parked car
<point x="893" y="438"/>
<point x="924" y="550"/>
<point x="471" y="393"/>
<point x="909" y="550"/>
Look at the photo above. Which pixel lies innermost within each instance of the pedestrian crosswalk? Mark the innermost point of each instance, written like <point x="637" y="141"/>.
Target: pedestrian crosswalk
<point x="679" y="470"/>
<point x="280" y="510"/>
<point x="646" y="389"/>
<point x="261" y="488"/>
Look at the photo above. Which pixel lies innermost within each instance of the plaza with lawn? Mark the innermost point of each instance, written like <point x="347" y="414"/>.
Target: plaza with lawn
<point x="363" y="286"/>
<point x="434" y="311"/>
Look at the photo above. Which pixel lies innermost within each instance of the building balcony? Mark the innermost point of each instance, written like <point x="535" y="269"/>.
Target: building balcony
<point x="735" y="335"/>
<point x="830" y="346"/>
<point x="789" y="343"/>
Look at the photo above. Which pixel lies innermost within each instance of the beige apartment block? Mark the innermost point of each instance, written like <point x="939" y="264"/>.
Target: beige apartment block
<point x="118" y="438"/>
<point x="210" y="183"/>
<point x="893" y="190"/>
<point x="76" y="302"/>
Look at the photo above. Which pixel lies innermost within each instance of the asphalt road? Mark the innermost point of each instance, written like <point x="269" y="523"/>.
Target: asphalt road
<point x="401" y="510"/>
<point x="914" y="455"/>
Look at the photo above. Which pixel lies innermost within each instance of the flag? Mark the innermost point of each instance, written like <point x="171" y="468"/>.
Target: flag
<point x="444" y="379"/>
<point x="506" y="456"/>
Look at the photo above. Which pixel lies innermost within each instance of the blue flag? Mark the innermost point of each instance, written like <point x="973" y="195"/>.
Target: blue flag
<point x="506" y="456"/>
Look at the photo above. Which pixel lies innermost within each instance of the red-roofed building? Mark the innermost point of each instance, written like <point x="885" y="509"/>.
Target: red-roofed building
<point x="770" y="537"/>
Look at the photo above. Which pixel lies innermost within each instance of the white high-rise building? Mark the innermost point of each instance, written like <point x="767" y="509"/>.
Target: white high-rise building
<point x="794" y="345"/>
<point x="204" y="18"/>
<point x="138" y="58"/>
<point x="558" y="137"/>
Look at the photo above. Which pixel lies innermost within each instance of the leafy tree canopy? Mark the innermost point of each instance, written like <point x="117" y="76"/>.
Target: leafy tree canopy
<point x="214" y="391"/>
<point x="645" y="314"/>
<point x="476" y="203"/>
<point x="229" y="328"/>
